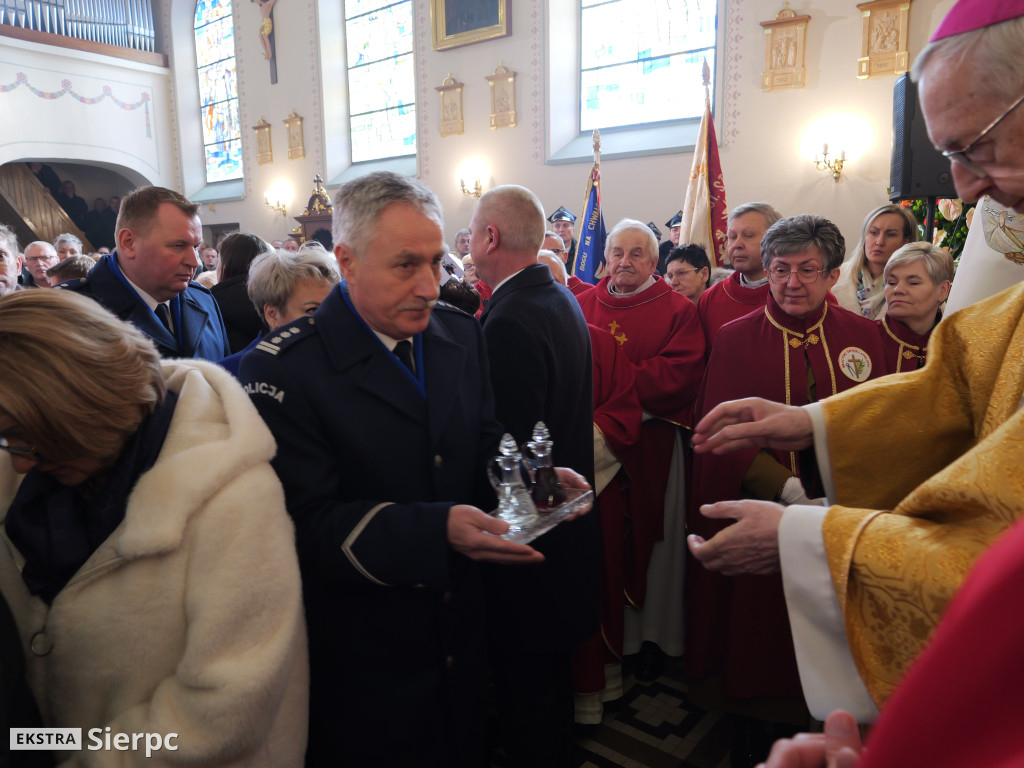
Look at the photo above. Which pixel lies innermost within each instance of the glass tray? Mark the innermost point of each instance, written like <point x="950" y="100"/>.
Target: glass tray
<point x="577" y="499"/>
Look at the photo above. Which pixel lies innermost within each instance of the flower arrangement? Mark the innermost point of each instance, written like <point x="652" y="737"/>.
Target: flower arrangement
<point x="952" y="220"/>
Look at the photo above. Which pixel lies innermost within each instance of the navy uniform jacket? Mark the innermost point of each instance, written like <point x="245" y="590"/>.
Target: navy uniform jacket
<point x="200" y="330"/>
<point x="370" y="468"/>
<point x="663" y="251"/>
<point x="541" y="370"/>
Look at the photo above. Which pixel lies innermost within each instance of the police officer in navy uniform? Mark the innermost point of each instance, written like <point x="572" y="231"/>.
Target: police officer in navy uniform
<point x="384" y="419"/>
<point x="148" y="279"/>
<point x="563" y="222"/>
<point x="673" y="225"/>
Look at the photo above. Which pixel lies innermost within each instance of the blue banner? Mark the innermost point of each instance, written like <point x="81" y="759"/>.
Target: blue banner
<point x="589" y="266"/>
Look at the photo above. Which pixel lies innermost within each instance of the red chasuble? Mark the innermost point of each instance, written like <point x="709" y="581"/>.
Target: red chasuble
<point x="905" y="350"/>
<point x="738" y="626"/>
<point x="659" y="331"/>
<point x="727" y="301"/>
<point x="617" y="414"/>
<point x="661" y="335"/>
<point x="577" y="286"/>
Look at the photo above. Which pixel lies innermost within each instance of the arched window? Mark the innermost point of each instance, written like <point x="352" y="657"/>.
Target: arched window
<point x="381" y="79"/>
<point x="641" y="60"/>
<point x="218" y="90"/>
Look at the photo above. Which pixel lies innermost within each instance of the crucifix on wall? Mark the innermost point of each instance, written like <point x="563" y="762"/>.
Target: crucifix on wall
<point x="267" y="35"/>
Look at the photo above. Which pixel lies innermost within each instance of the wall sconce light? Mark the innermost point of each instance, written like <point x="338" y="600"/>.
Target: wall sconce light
<point x="834" y="165"/>
<point x="279" y="197"/>
<point x="471" y="175"/>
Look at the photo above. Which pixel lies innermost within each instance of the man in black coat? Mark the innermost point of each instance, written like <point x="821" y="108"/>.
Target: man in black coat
<point x="384" y="420"/>
<point x="148" y="279"/>
<point x="540" y="361"/>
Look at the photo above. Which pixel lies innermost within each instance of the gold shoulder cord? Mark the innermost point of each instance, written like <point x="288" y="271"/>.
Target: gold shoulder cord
<point x="786" y="343"/>
<point x="905" y="349"/>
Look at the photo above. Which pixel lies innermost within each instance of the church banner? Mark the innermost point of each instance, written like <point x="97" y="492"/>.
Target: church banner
<point x="705" y="218"/>
<point x="589" y="266"/>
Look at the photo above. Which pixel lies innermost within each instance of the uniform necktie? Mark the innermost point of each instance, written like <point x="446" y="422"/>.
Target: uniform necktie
<point x="403" y="351"/>
<point x="165" y="316"/>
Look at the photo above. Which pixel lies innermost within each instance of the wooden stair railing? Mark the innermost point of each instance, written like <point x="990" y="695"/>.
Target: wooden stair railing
<point x="35" y="206"/>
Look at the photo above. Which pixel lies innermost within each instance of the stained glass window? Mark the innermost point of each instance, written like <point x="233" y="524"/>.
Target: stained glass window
<point x="641" y="60"/>
<point x="381" y="78"/>
<point x="218" y="90"/>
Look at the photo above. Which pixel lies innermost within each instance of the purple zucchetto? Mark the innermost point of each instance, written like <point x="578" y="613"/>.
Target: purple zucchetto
<point x="968" y="15"/>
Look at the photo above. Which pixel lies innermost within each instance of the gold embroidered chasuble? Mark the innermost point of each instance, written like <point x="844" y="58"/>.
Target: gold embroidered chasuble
<point x="927" y="473"/>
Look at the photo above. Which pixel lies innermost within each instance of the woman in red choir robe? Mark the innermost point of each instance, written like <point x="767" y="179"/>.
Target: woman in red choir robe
<point x="801" y="348"/>
<point x="917" y="281"/>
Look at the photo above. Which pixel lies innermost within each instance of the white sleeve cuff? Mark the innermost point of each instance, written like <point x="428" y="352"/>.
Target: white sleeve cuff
<point x="828" y="673"/>
<point x="817" y="414"/>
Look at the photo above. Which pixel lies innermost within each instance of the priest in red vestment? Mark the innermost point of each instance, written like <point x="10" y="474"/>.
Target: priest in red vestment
<point x="917" y="280"/>
<point x="617" y="415"/>
<point x="746" y="289"/>
<point x="660" y="334"/>
<point x="799" y="348"/>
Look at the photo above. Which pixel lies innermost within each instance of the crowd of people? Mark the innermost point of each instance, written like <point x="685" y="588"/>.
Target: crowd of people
<point x="254" y="512"/>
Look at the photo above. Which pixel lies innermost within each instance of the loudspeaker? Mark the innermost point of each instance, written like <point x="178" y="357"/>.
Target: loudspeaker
<point x="917" y="170"/>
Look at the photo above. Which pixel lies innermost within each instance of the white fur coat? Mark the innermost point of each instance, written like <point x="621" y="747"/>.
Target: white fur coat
<point x="188" y="619"/>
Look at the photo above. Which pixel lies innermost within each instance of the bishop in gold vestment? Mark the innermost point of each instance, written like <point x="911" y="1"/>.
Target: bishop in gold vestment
<point x="945" y="451"/>
<point x="923" y="472"/>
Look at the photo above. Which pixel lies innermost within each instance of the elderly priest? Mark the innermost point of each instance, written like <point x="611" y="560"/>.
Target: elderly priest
<point x="660" y="333"/>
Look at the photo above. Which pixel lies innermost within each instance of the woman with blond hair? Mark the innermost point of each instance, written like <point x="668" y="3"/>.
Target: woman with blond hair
<point x="284" y="286"/>
<point x="158" y="590"/>
<point x="917" y="281"/>
<point x="860" y="287"/>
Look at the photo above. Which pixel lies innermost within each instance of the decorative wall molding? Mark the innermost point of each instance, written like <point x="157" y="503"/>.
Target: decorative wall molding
<point x="21" y="79"/>
<point x="536" y="78"/>
<point x="317" y="140"/>
<point x="733" y="74"/>
<point x="423" y="98"/>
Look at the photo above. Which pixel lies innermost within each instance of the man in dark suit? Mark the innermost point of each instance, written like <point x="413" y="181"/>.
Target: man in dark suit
<point x="384" y="419"/>
<point x="148" y="279"/>
<point x="540" y="362"/>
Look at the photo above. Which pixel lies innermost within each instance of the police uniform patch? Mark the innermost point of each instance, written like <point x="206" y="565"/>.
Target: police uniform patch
<point x="280" y="340"/>
<point x="263" y="388"/>
<point x="855" y="364"/>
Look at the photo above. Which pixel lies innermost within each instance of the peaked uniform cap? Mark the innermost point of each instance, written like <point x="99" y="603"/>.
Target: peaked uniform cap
<point x="562" y="214"/>
<point x="675" y="221"/>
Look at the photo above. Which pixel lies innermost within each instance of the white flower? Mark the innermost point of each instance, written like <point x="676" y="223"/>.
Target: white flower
<point x="950" y="208"/>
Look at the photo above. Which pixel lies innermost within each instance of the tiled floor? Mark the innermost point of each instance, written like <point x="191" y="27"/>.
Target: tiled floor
<point x="653" y="726"/>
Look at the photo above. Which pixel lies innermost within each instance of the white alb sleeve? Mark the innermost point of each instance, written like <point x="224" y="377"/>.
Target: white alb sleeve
<point x="828" y="673"/>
